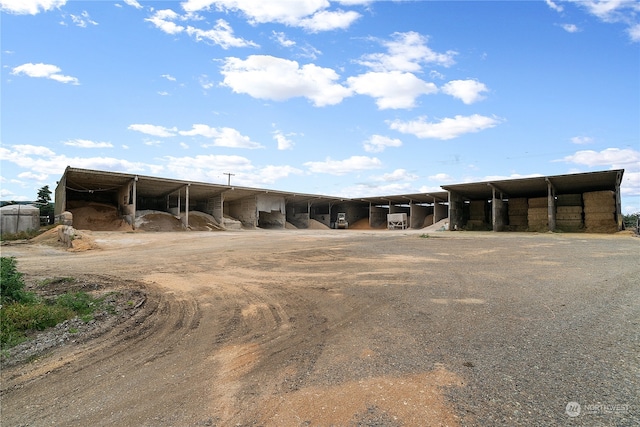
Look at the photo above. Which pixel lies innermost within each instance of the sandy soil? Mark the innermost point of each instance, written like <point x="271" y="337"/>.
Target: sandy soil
<point x="342" y="327"/>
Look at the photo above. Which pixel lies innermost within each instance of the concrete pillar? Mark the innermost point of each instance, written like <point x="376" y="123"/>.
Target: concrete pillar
<point x="134" y="201"/>
<point x="619" y="218"/>
<point x="186" y="206"/>
<point x="551" y="205"/>
<point x="456" y="216"/>
<point x="497" y="211"/>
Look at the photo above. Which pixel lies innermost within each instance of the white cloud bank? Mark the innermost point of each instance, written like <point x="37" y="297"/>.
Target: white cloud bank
<point x="311" y="15"/>
<point x="269" y="77"/>
<point x="342" y="167"/>
<point x="447" y="128"/>
<point x="30" y="7"/>
<point x="46" y="71"/>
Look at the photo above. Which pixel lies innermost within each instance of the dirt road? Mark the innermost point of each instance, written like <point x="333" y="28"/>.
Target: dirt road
<point x="328" y="327"/>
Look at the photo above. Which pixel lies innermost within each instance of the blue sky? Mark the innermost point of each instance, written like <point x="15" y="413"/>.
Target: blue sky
<point x="346" y="98"/>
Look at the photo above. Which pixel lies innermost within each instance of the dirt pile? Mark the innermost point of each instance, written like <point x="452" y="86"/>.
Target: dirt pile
<point x="82" y="240"/>
<point x="97" y="217"/>
<point x="317" y="225"/>
<point x="200" y="221"/>
<point x="157" y="221"/>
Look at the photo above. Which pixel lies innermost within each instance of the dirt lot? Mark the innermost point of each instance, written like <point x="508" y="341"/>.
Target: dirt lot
<point x="342" y="328"/>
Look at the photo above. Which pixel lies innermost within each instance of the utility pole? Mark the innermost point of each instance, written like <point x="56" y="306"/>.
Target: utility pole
<point x="229" y="175"/>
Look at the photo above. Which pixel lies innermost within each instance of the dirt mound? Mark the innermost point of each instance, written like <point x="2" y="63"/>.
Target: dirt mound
<point x="290" y="226"/>
<point x="82" y="241"/>
<point x="97" y="217"/>
<point x="317" y="225"/>
<point x="157" y="221"/>
<point x="363" y="224"/>
<point x="441" y="225"/>
<point x="200" y="221"/>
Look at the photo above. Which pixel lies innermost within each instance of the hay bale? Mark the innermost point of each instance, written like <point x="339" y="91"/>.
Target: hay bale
<point x="594" y="197"/>
<point x="569" y="200"/>
<point x="538" y="202"/>
<point x="518" y="220"/>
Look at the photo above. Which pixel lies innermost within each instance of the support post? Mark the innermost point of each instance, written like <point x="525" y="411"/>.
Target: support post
<point x="134" y="202"/>
<point x="551" y="205"/>
<point x="186" y="206"/>
<point x="455" y="211"/>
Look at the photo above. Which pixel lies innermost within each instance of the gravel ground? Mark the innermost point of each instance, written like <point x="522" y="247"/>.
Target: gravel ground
<point x="345" y="327"/>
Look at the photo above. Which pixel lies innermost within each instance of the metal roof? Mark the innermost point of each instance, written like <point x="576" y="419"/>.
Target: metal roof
<point x="405" y="199"/>
<point x="86" y="180"/>
<point x="537" y="186"/>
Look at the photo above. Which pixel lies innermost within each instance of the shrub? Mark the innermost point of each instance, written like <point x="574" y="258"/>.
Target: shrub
<point x="11" y="283"/>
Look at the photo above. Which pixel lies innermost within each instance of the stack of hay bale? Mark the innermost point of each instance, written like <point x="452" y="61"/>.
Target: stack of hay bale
<point x="518" y="214"/>
<point x="538" y="214"/>
<point x="569" y="212"/>
<point x="600" y="212"/>
<point x="477" y="216"/>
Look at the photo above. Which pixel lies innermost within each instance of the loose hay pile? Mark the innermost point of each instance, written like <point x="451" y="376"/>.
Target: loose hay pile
<point x="600" y="212"/>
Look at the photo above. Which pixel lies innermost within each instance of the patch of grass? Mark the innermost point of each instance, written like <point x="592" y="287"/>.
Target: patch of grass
<point x="23" y="312"/>
<point x="56" y="281"/>
<point x="424" y="236"/>
<point x="25" y="235"/>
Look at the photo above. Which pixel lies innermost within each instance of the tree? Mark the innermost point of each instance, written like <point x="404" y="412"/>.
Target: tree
<point x="44" y="195"/>
<point x="44" y="202"/>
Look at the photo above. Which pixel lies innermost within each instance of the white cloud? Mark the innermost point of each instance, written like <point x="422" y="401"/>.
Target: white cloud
<point x="30" y="7"/>
<point x="441" y="177"/>
<point x="391" y="89"/>
<point x="634" y="32"/>
<point x="222" y="137"/>
<point x="169" y="77"/>
<point x="614" y="157"/>
<point x="153" y="130"/>
<point x="396" y="176"/>
<point x="282" y="39"/>
<point x="221" y="34"/>
<point x="284" y="143"/>
<point x="311" y="15"/>
<point x="570" y="28"/>
<point x="341" y="167"/>
<point x="329" y="20"/>
<point x="84" y="143"/>
<point x="206" y="167"/>
<point x="582" y="140"/>
<point x="614" y="11"/>
<point x="33" y="176"/>
<point x="378" y="143"/>
<point x="468" y="91"/>
<point x="41" y="160"/>
<point x="406" y="52"/>
<point x="554" y="6"/>
<point x="447" y="128"/>
<point x="82" y="20"/>
<point x="47" y="71"/>
<point x="133" y="3"/>
<point x="268" y="77"/>
<point x="163" y="20"/>
<point x="268" y="175"/>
